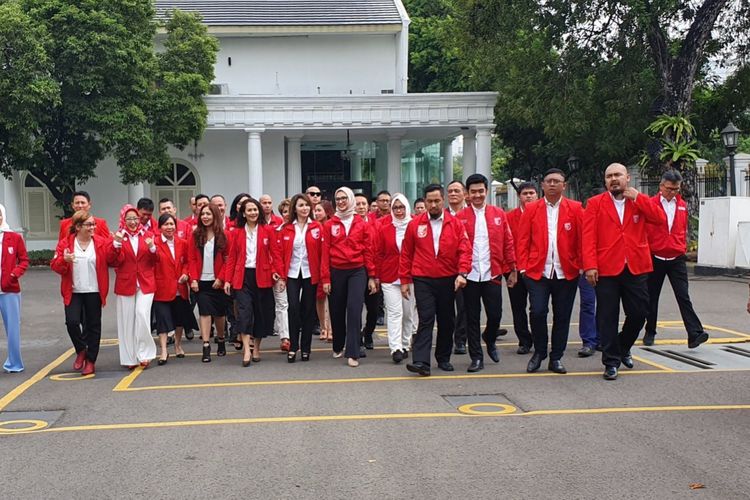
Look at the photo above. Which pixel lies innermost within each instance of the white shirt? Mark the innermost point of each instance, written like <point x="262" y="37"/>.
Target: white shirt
<point x="251" y="247"/>
<point x="454" y="212"/>
<point x="134" y="243"/>
<point x="84" y="268"/>
<point x="480" y="258"/>
<point x="170" y="244"/>
<point x="400" y="233"/>
<point x="670" y="207"/>
<point x="553" y="257"/>
<point x="620" y="207"/>
<point x="207" y="273"/>
<point x="437" y="229"/>
<point x="299" y="262"/>
<point x="347" y="224"/>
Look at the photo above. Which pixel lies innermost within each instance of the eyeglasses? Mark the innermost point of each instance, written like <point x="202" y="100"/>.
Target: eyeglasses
<point x="396" y="207"/>
<point x="131" y="219"/>
<point x="670" y="189"/>
<point x="89" y="224"/>
<point x="314" y="193"/>
<point x="553" y="182"/>
<point x="342" y="198"/>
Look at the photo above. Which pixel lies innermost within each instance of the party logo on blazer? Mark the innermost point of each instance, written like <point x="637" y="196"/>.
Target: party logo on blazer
<point x="10" y="250"/>
<point x="287" y="238"/>
<point x="422" y="230"/>
<point x="315" y="233"/>
<point x="335" y="230"/>
<point x="682" y="208"/>
<point x="265" y="242"/>
<point x="568" y="226"/>
<point x="498" y="221"/>
<point x="636" y="218"/>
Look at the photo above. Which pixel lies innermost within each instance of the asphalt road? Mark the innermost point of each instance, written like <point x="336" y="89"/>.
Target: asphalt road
<point x="324" y="430"/>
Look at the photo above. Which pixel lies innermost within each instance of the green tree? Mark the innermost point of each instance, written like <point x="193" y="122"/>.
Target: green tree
<point x="115" y="96"/>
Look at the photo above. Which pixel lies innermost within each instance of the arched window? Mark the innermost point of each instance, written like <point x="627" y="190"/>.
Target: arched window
<point x="41" y="217"/>
<point x="179" y="185"/>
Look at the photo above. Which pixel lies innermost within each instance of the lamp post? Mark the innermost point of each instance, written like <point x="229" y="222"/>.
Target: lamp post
<point x="573" y="164"/>
<point x="730" y="136"/>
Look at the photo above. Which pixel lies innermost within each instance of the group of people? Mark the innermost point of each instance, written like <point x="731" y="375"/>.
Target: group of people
<point x="322" y="262"/>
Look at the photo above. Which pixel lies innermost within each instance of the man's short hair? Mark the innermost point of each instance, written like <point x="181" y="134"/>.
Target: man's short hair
<point x="363" y="195"/>
<point x="145" y="204"/>
<point x="554" y="171"/>
<point x="671" y="176"/>
<point x="165" y="200"/>
<point x="85" y="194"/>
<point x="436" y="187"/>
<point x="200" y="196"/>
<point x="384" y="191"/>
<point x="456" y="182"/>
<point x="477" y="179"/>
<point x="418" y="200"/>
<point x="527" y="185"/>
<point x="218" y="196"/>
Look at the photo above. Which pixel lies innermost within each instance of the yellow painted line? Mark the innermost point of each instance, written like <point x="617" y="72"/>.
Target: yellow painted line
<point x="123" y="384"/>
<point x="70" y="377"/>
<point x="506" y="411"/>
<point x="651" y="363"/>
<point x="726" y="330"/>
<point x="40" y="375"/>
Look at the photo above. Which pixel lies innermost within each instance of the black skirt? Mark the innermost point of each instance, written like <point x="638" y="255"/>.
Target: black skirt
<point x="211" y="301"/>
<point x="255" y="307"/>
<point x="172" y="314"/>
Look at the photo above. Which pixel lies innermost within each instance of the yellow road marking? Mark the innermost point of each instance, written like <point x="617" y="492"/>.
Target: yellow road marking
<point x="70" y="377"/>
<point x="726" y="330"/>
<point x="128" y="379"/>
<point x="651" y="363"/>
<point x="470" y="409"/>
<point x="385" y="416"/>
<point x="40" y="375"/>
<point x="35" y="425"/>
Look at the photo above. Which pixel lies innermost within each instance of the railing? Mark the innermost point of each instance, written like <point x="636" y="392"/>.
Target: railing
<point x="706" y="186"/>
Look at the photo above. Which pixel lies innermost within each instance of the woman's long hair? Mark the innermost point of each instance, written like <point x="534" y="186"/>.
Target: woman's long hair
<point x="241" y="222"/>
<point x="327" y="208"/>
<point x="233" y="207"/>
<point x="200" y="236"/>
<point x="293" y="207"/>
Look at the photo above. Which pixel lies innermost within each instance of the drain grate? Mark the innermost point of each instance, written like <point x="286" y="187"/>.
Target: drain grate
<point x="681" y="357"/>
<point x="736" y="350"/>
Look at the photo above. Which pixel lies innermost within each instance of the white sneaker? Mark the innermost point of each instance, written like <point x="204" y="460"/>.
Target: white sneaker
<point x="352" y="362"/>
<point x="338" y="354"/>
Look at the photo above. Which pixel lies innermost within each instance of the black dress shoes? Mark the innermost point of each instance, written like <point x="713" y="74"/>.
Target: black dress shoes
<point x="476" y="365"/>
<point x="502" y="332"/>
<point x="491" y="347"/>
<point x="556" y="366"/>
<point x="586" y="351"/>
<point x="697" y="340"/>
<point x="610" y="373"/>
<point x="420" y="368"/>
<point x="362" y="352"/>
<point x="648" y="338"/>
<point x="534" y="363"/>
<point x="523" y="349"/>
<point x="445" y="366"/>
<point x="460" y="349"/>
<point x="397" y="356"/>
<point x="627" y="360"/>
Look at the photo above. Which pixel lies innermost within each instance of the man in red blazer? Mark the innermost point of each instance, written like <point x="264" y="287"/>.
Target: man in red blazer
<point x="82" y="201"/>
<point x="436" y="257"/>
<point x="184" y="230"/>
<point x="549" y="257"/>
<point x="518" y="294"/>
<point x="492" y="253"/>
<point x="668" y="242"/>
<point x="617" y="261"/>
<point x="266" y="203"/>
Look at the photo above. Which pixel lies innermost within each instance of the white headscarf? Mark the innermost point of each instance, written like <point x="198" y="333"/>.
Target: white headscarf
<point x="4" y="226"/>
<point x="400" y="223"/>
<point x="343" y="215"/>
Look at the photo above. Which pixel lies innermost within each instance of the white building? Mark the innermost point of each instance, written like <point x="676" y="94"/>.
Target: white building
<point x="306" y="92"/>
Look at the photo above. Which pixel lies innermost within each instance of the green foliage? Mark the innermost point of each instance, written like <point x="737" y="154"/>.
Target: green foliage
<point x="677" y="128"/>
<point x="103" y="90"/>
<point x="676" y="146"/>
<point x="40" y="257"/>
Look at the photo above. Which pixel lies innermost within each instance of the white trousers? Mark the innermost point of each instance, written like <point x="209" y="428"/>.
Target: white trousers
<point x="134" y="328"/>
<point x="400" y="315"/>
<point x="281" y="322"/>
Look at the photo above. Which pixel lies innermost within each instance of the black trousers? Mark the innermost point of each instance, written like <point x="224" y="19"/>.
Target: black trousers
<point x="83" y="319"/>
<point x="518" y="296"/>
<point x="632" y="290"/>
<point x="372" y="303"/>
<point x="676" y="271"/>
<point x="300" y="293"/>
<point x="459" y="334"/>
<point x="476" y="293"/>
<point x="563" y="294"/>
<point x="345" y="302"/>
<point x="435" y="297"/>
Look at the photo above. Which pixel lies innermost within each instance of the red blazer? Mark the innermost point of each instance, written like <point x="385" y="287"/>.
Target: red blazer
<point x="14" y="262"/>
<point x="64" y="269"/>
<point x="387" y="254"/>
<point x="514" y="220"/>
<point x="275" y="221"/>
<point x="101" y="230"/>
<point x="502" y="248"/>
<point x="195" y="259"/>
<point x="191" y="219"/>
<point x="418" y="252"/>
<point x="169" y="269"/>
<point x="342" y="251"/>
<point x="184" y="230"/>
<point x="663" y="242"/>
<point x="608" y="244"/>
<point x="282" y="250"/>
<point x="533" y="238"/>
<point x="234" y="271"/>
<point x="130" y="267"/>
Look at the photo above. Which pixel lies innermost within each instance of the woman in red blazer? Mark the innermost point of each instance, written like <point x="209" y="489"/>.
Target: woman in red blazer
<point x="13" y="263"/>
<point x="132" y="253"/>
<point x="249" y="272"/>
<point x="322" y="212"/>
<point x="81" y="260"/>
<point x="171" y="303"/>
<point x="207" y="253"/>
<point x="296" y="261"/>
<point x="347" y="269"/>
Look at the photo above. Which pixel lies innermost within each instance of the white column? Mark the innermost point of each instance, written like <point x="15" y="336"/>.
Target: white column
<point x="135" y="193"/>
<point x="402" y="58"/>
<point x="254" y="162"/>
<point x="410" y="178"/>
<point x="470" y="153"/>
<point x="484" y="151"/>
<point x="394" y="163"/>
<point x="294" y="164"/>
<point x="355" y="163"/>
<point x="446" y="151"/>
